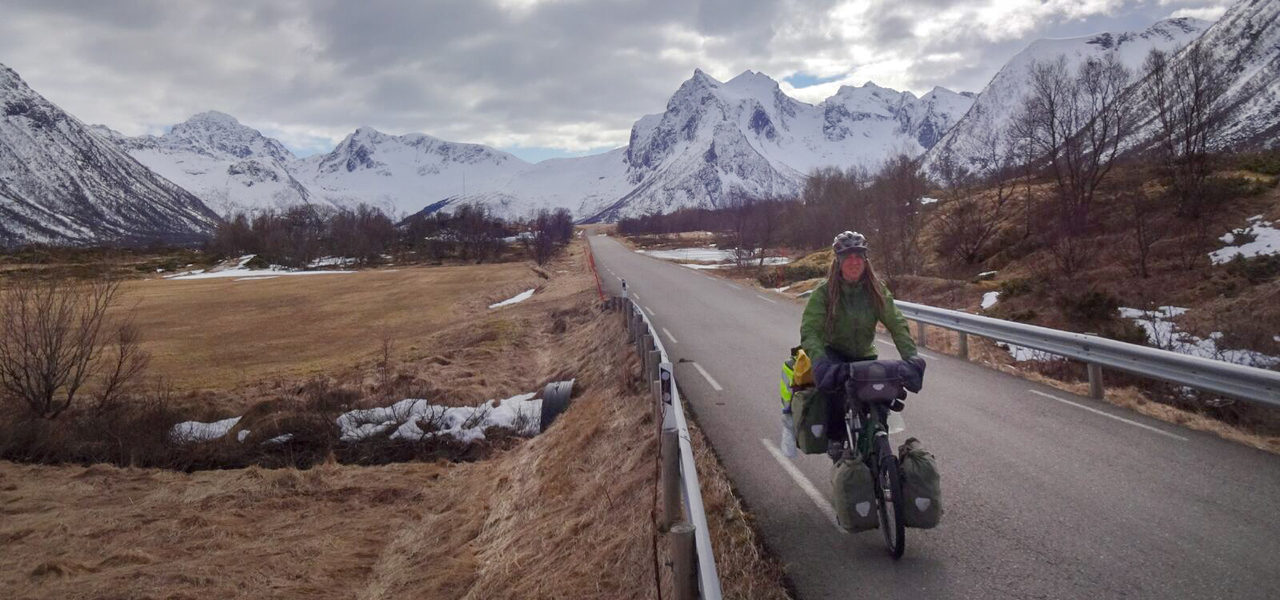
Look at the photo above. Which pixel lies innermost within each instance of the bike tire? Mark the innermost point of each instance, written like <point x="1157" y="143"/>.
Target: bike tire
<point x="891" y="505"/>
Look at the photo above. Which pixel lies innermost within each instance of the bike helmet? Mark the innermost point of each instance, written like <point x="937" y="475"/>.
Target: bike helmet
<point x="849" y="241"/>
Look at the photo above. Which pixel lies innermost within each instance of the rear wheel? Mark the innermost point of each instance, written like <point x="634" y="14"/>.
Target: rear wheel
<point x="889" y="488"/>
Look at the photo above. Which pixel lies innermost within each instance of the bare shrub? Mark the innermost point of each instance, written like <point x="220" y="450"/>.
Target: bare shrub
<point x="53" y="340"/>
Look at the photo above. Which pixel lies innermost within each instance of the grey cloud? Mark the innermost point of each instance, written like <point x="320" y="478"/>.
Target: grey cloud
<point x="466" y="70"/>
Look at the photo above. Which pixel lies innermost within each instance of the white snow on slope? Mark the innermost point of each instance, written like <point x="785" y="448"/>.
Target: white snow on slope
<point x="520" y="413"/>
<point x="1266" y="240"/>
<point x="1162" y="332"/>
<point x="1002" y="98"/>
<point x="516" y="299"/>
<point x="989" y="299"/>
<point x="406" y="420"/>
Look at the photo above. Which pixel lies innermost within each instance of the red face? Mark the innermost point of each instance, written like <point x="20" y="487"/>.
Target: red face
<point x="852" y="267"/>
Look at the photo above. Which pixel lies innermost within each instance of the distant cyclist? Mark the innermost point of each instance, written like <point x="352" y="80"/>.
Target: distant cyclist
<point x="839" y="325"/>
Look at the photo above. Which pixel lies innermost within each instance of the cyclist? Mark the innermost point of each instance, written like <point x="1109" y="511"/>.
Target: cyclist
<point x="839" y="326"/>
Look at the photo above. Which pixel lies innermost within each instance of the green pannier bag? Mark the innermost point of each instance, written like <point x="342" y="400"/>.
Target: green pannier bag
<point x="921" y="486"/>
<point x="854" y="495"/>
<point x="809" y="409"/>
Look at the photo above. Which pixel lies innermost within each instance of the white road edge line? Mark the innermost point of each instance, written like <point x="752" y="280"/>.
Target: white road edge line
<point x="804" y="483"/>
<point x="651" y="313"/>
<point x="766" y="299"/>
<point x="1109" y="415"/>
<point x="669" y="336"/>
<point x="708" y="377"/>
<point x="635" y="295"/>
<point x="733" y="285"/>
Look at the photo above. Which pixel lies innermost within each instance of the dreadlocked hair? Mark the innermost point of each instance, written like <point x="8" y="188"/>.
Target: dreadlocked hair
<point x="869" y="282"/>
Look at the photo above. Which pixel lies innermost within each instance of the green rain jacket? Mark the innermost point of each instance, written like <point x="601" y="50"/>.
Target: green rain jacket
<point x="855" y="328"/>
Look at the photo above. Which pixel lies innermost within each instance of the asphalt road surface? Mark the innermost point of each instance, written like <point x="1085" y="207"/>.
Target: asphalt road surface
<point x="1047" y="494"/>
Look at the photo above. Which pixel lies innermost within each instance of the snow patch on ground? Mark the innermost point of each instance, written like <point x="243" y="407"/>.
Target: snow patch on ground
<point x="927" y="200"/>
<point x="241" y="272"/>
<point x="989" y="299"/>
<point x="521" y="297"/>
<point x="1163" y="333"/>
<point x="1266" y="240"/>
<point x="723" y="258"/>
<point x="699" y="254"/>
<point x="412" y="419"/>
<point x="332" y="261"/>
<point x="195" y="431"/>
<point x="415" y="419"/>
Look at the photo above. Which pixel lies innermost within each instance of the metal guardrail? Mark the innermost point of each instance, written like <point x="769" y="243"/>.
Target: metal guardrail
<point x="1229" y="379"/>
<point x="693" y="562"/>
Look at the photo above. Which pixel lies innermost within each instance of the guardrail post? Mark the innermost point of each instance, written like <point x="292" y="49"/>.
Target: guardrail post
<point x="654" y="358"/>
<point x="669" y="447"/>
<point x="1095" y="381"/>
<point x="964" y="345"/>
<point x="684" y="561"/>
<point x="921" y="341"/>
<point x="647" y="355"/>
<point x="669" y="451"/>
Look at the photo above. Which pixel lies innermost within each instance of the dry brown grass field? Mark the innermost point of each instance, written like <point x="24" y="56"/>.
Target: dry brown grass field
<point x="214" y="333"/>
<point x="567" y="513"/>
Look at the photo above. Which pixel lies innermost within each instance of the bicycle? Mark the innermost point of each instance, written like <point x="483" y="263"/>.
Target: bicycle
<point x="867" y="428"/>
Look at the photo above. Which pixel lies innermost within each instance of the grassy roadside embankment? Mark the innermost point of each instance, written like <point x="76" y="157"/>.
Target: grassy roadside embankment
<point x="565" y="514"/>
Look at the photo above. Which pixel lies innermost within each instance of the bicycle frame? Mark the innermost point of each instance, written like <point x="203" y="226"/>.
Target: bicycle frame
<point x="866" y="424"/>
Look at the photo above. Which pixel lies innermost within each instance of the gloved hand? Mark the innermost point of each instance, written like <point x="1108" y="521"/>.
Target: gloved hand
<point x="914" y="381"/>
<point x="830" y="375"/>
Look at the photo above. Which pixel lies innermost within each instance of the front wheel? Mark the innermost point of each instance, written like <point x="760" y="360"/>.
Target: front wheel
<point x="890" y="502"/>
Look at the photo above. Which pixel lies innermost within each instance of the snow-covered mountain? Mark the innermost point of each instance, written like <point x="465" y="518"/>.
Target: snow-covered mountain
<point x="715" y="142"/>
<point x="61" y="183"/>
<point x="1000" y="100"/>
<point x="718" y="142"/>
<point x="404" y="173"/>
<point x="227" y="165"/>
<point x="1246" y="42"/>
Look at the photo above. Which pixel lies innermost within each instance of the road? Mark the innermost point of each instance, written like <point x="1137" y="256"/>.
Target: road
<point x="1047" y="494"/>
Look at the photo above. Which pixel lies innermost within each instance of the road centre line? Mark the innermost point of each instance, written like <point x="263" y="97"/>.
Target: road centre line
<point x="733" y="285"/>
<point x="1109" y="415"/>
<point x="805" y="485"/>
<point x="651" y="313"/>
<point x="766" y="299"/>
<point x="669" y="336"/>
<point x="707" y="376"/>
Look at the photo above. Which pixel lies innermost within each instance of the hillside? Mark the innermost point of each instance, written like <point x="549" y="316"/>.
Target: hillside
<point x="62" y="184"/>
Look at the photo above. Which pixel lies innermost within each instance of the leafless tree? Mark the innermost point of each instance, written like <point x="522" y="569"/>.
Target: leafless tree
<point x="1076" y="124"/>
<point x="894" y="215"/>
<point x="975" y="208"/>
<point x="1141" y="216"/>
<point x="54" y="337"/>
<point x="1184" y="93"/>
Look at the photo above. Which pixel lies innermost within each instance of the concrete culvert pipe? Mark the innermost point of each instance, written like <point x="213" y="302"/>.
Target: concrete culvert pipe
<point x="555" y="400"/>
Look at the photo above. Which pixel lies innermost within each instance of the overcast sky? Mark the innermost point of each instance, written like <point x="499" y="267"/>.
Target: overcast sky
<point x="538" y="78"/>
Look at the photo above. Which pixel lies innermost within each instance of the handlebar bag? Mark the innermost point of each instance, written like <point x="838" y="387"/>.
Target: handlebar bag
<point x="921" y="486"/>
<point x="877" y="380"/>
<point x="809" y="410"/>
<point x="854" y="495"/>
